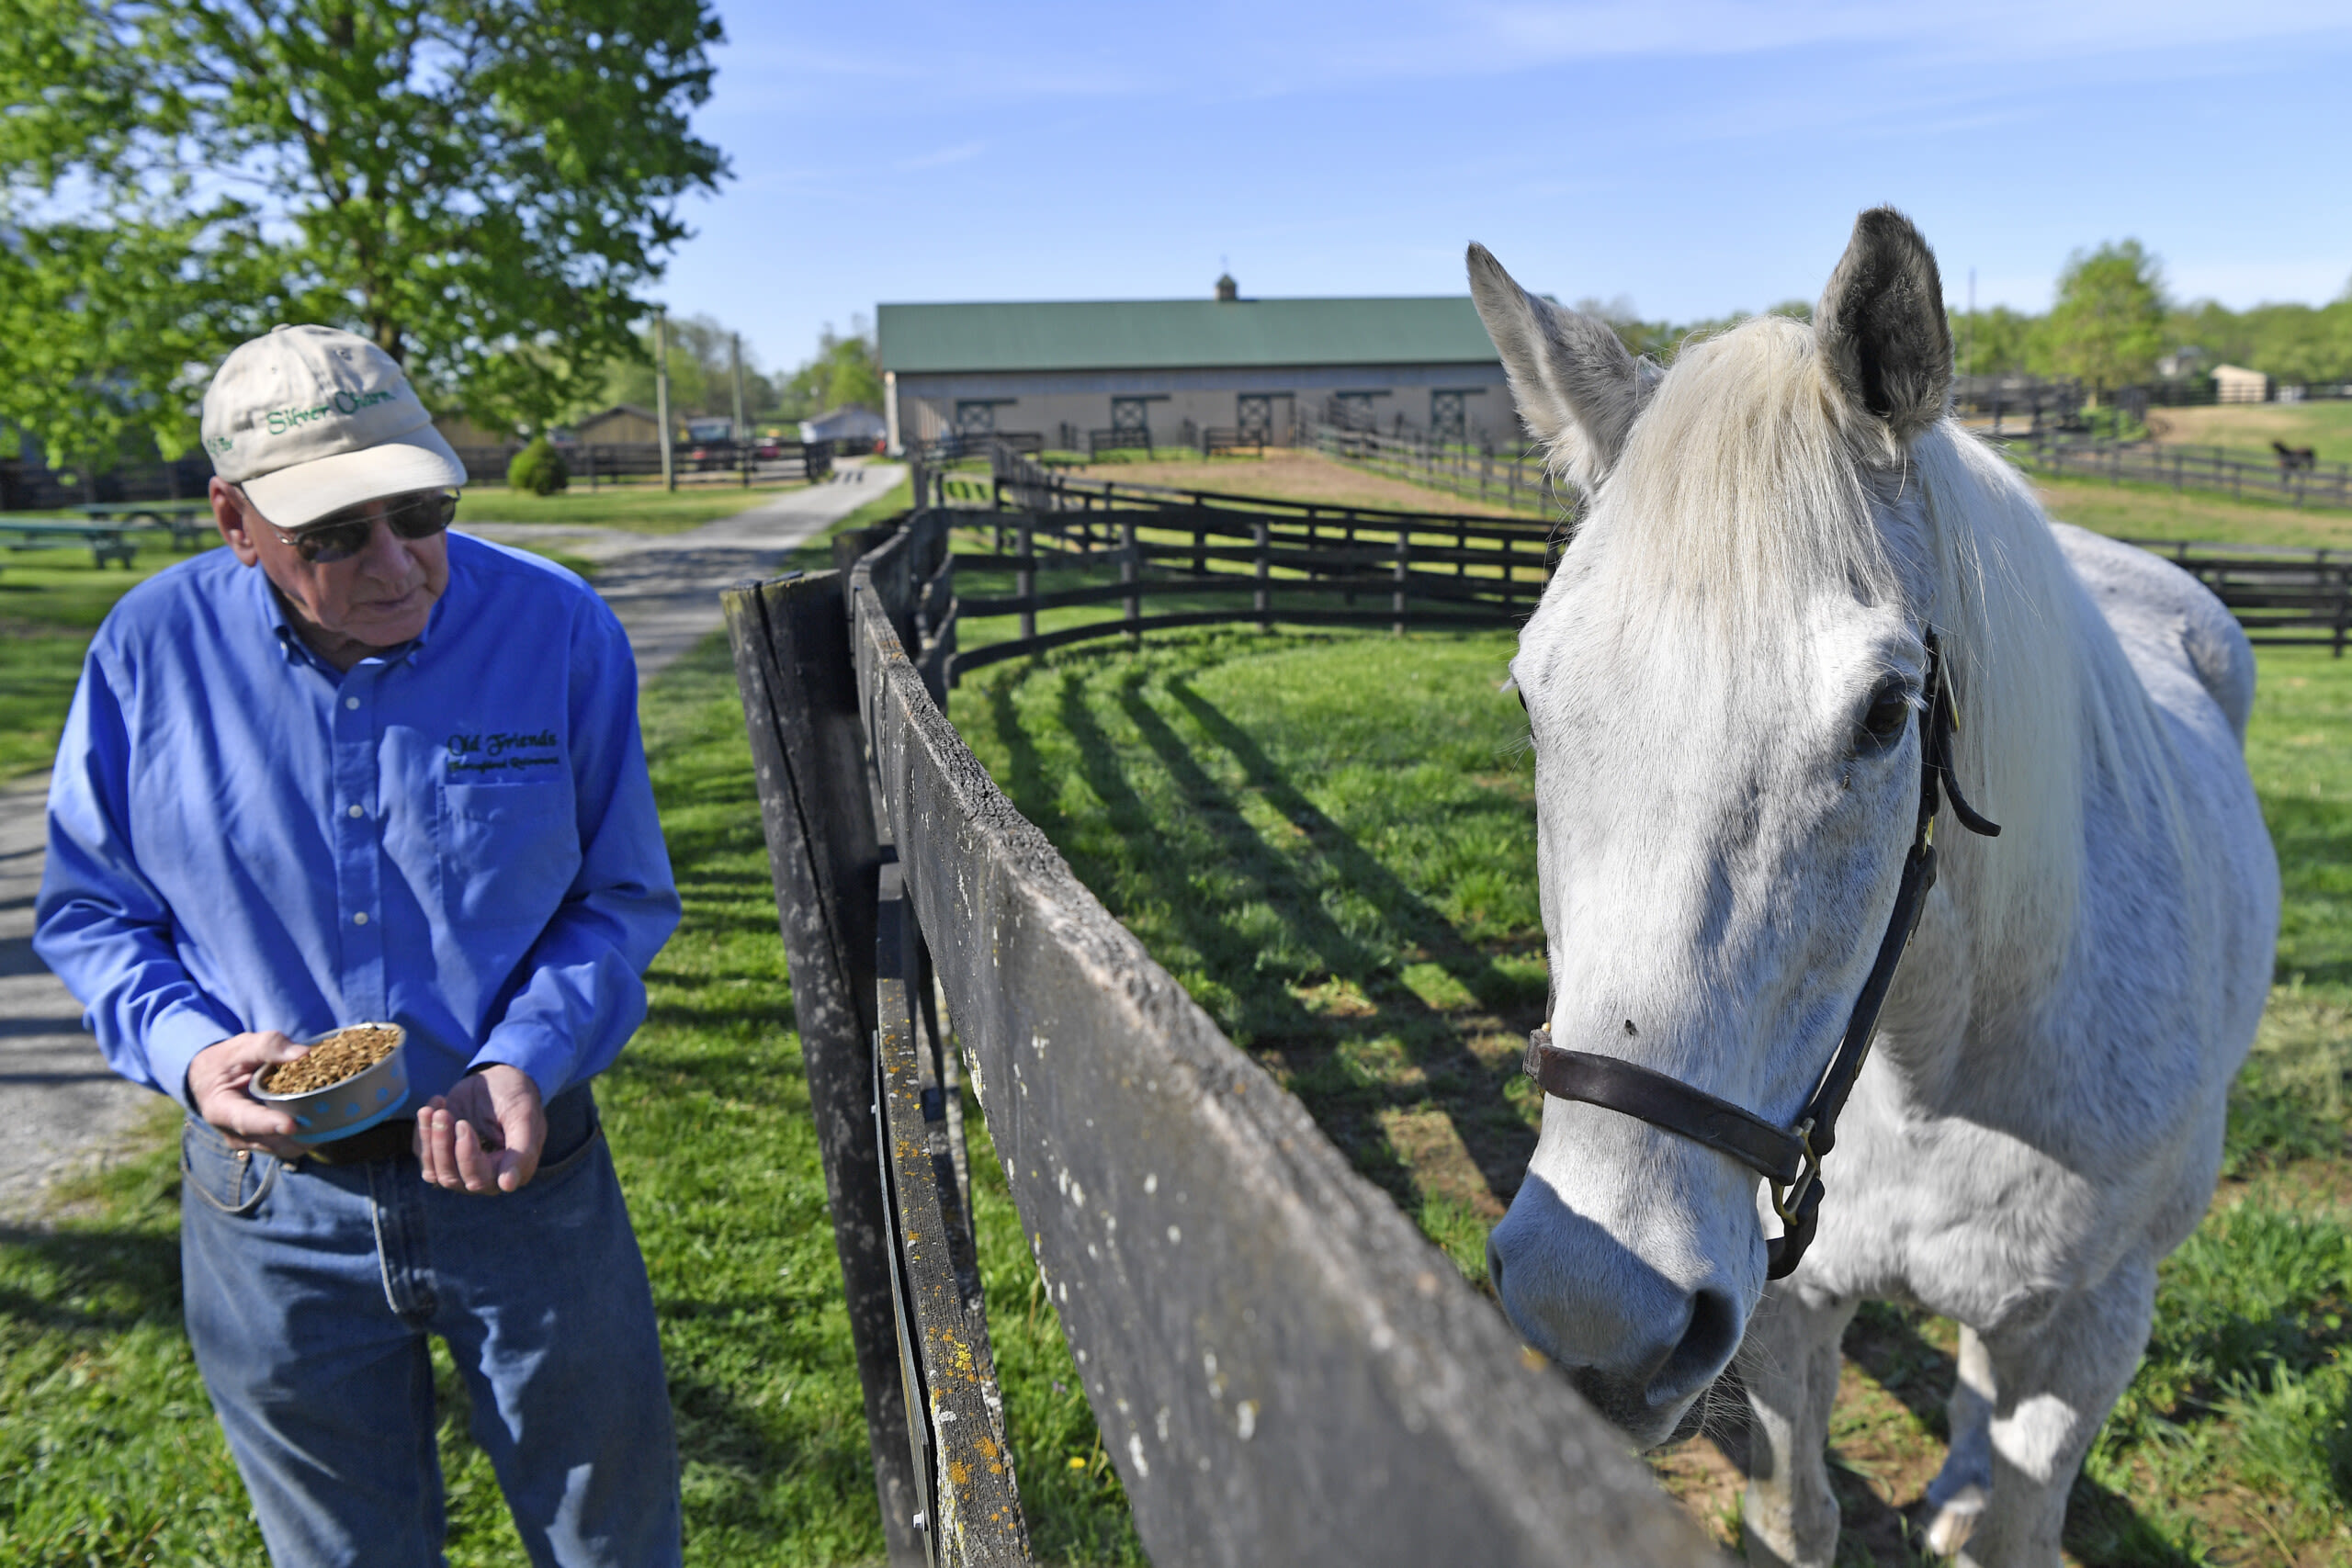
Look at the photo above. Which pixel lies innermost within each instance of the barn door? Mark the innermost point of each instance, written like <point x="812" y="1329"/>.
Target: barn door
<point x="1253" y="417"/>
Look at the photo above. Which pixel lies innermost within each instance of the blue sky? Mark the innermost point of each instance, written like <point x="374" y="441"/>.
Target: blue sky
<point x="1694" y="158"/>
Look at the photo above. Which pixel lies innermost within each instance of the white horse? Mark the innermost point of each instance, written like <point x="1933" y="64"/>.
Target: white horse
<point x="1725" y="683"/>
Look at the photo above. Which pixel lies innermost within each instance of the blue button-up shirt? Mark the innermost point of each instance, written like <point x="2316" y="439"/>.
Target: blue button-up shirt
<point x="457" y="835"/>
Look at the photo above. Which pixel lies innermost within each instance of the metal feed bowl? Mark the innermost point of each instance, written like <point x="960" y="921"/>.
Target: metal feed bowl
<point x="357" y="1103"/>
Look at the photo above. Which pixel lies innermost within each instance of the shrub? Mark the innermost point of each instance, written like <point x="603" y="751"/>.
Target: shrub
<point x="539" y="469"/>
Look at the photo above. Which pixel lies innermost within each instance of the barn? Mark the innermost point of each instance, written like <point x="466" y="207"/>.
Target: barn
<point x="1143" y="371"/>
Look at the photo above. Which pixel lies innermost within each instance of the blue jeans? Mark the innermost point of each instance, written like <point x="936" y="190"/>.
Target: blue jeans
<point x="311" y="1290"/>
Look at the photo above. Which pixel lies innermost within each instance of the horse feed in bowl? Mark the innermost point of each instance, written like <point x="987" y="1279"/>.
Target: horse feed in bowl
<point x="346" y="1082"/>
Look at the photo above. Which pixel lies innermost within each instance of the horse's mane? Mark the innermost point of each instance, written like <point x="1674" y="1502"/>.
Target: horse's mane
<point x="1740" y="500"/>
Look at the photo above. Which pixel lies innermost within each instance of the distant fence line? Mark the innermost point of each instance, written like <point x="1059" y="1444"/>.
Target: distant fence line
<point x="33" y="487"/>
<point x="1257" y="561"/>
<point x="1283" y="1369"/>
<point x="2184" y="467"/>
<point x="1442" y="465"/>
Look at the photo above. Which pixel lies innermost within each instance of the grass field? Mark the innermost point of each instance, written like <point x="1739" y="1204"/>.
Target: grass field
<point x="2157" y="511"/>
<point x="639" y="508"/>
<point x="1329" y="840"/>
<point x="2248" y="429"/>
<point x="1291" y="475"/>
<point x="51" y="602"/>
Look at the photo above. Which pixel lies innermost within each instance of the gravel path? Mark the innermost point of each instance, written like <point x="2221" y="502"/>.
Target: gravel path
<point x="61" y="1107"/>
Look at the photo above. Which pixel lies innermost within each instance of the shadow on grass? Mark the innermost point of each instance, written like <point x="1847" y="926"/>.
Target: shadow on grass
<point x="1339" y="1000"/>
<point x="102" y="1281"/>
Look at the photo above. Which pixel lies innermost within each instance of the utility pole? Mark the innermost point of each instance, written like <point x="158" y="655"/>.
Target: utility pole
<point x="662" y="393"/>
<point x="742" y="450"/>
<point x="1968" y="344"/>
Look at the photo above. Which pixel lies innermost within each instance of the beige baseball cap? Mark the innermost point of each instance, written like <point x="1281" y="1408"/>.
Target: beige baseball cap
<point x="311" y="420"/>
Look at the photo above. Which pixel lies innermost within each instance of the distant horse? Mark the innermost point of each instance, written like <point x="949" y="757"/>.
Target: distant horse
<point x="1805" y="610"/>
<point x="2293" y="458"/>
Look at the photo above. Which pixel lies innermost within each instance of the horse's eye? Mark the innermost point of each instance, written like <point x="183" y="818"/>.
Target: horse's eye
<point x="1882" y="725"/>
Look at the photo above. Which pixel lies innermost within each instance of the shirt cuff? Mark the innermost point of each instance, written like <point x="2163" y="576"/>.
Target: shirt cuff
<point x="173" y="1040"/>
<point x="544" y="1058"/>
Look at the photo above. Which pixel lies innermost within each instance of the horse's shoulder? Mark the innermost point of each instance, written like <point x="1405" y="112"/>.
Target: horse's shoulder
<point x="2164" y="617"/>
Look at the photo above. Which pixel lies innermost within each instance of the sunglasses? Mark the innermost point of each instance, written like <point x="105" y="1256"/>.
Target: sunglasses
<point x="339" y="535"/>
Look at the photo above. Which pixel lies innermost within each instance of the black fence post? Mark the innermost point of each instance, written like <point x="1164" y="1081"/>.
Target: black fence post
<point x="1262" y="599"/>
<point x="1024" y="581"/>
<point x="799" y="686"/>
<point x="1404" y="552"/>
<point x="1130" y="570"/>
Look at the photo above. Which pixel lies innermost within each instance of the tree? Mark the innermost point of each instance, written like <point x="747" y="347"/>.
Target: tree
<point x="841" y="374"/>
<point x="2107" y="324"/>
<point x="702" y="372"/>
<point x="1996" y="342"/>
<point x="482" y="186"/>
<point x="108" y="333"/>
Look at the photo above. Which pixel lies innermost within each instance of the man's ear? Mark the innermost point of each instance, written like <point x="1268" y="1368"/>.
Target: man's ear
<point x="229" y="516"/>
<point x="1881" y="329"/>
<point x="1577" y="384"/>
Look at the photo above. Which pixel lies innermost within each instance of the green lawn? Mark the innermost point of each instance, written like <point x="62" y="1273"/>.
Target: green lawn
<point x="1329" y="840"/>
<point x="2133" y="510"/>
<point x="639" y="508"/>
<point x="50" y="602"/>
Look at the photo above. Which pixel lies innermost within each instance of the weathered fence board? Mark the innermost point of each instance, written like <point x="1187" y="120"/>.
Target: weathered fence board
<point x="793" y="663"/>
<point x="1284" y="1370"/>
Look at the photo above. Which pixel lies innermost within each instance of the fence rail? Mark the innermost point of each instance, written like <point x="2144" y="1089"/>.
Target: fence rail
<point x="1256" y="560"/>
<point x="1454" y="465"/>
<point x="1283" y="1368"/>
<point x="2185" y="467"/>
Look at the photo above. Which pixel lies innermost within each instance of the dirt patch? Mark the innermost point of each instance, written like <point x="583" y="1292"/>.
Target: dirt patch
<point x="1294" y="476"/>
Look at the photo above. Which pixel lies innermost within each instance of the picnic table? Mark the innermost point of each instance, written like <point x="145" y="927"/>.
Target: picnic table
<point x="107" y="528"/>
<point x="189" y="520"/>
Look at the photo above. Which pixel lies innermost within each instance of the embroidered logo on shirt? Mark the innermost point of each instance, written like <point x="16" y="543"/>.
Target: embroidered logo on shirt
<point x="502" y="750"/>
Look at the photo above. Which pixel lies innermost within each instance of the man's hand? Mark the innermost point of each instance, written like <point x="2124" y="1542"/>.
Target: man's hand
<point x="216" y="1086"/>
<point x="485" y="1134"/>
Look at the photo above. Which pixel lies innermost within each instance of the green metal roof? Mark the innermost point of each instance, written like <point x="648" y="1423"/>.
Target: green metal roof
<point x="1132" y="334"/>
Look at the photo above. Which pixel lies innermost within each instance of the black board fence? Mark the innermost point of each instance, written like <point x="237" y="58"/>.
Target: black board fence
<point x="1233" y="559"/>
<point x="2183" y="467"/>
<point x="1283" y="1368"/>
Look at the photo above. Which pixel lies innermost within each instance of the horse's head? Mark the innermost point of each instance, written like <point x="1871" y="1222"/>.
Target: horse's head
<point x="1724" y="684"/>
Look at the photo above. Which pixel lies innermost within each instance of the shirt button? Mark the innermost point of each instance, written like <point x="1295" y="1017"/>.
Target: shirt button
<point x="351" y="702"/>
<point x="355" y="811"/>
<point x="360" y="919"/>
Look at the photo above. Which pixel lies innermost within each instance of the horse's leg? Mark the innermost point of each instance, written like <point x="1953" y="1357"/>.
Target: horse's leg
<point x="1958" y="1491"/>
<point x="1790" y="1362"/>
<point x="2054" y="1384"/>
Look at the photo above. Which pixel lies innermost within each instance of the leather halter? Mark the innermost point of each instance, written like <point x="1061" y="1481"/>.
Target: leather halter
<point x="1788" y="1158"/>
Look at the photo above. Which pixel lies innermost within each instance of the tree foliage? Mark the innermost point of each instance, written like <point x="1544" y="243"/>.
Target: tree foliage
<point x="2107" y="326"/>
<point x="702" y="372"/>
<point x="843" y="374"/>
<point x="483" y="186"/>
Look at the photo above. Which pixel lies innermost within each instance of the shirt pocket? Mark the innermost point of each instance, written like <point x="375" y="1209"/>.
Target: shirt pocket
<point x="509" y="852"/>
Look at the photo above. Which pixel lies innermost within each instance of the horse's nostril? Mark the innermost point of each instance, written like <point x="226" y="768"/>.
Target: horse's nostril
<point x="1704" y="1350"/>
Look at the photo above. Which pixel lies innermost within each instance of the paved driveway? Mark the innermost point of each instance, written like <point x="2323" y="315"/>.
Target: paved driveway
<point x="61" y="1107"/>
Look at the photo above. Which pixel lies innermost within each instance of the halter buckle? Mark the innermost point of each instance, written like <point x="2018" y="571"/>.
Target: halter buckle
<point x="1789" y="1202"/>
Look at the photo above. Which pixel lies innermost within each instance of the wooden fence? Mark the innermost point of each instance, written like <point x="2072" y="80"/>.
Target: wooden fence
<point x="2184" y="468"/>
<point x="1283" y="1368"/>
<point x="1454" y="465"/>
<point x="1251" y="558"/>
<point x="602" y="462"/>
<point x="2280" y="596"/>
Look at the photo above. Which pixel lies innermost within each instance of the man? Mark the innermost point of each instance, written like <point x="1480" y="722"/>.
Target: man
<point x="355" y="769"/>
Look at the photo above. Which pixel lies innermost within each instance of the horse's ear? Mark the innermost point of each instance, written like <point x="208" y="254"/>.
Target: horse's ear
<point x="1881" y="327"/>
<point x="1575" y="382"/>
